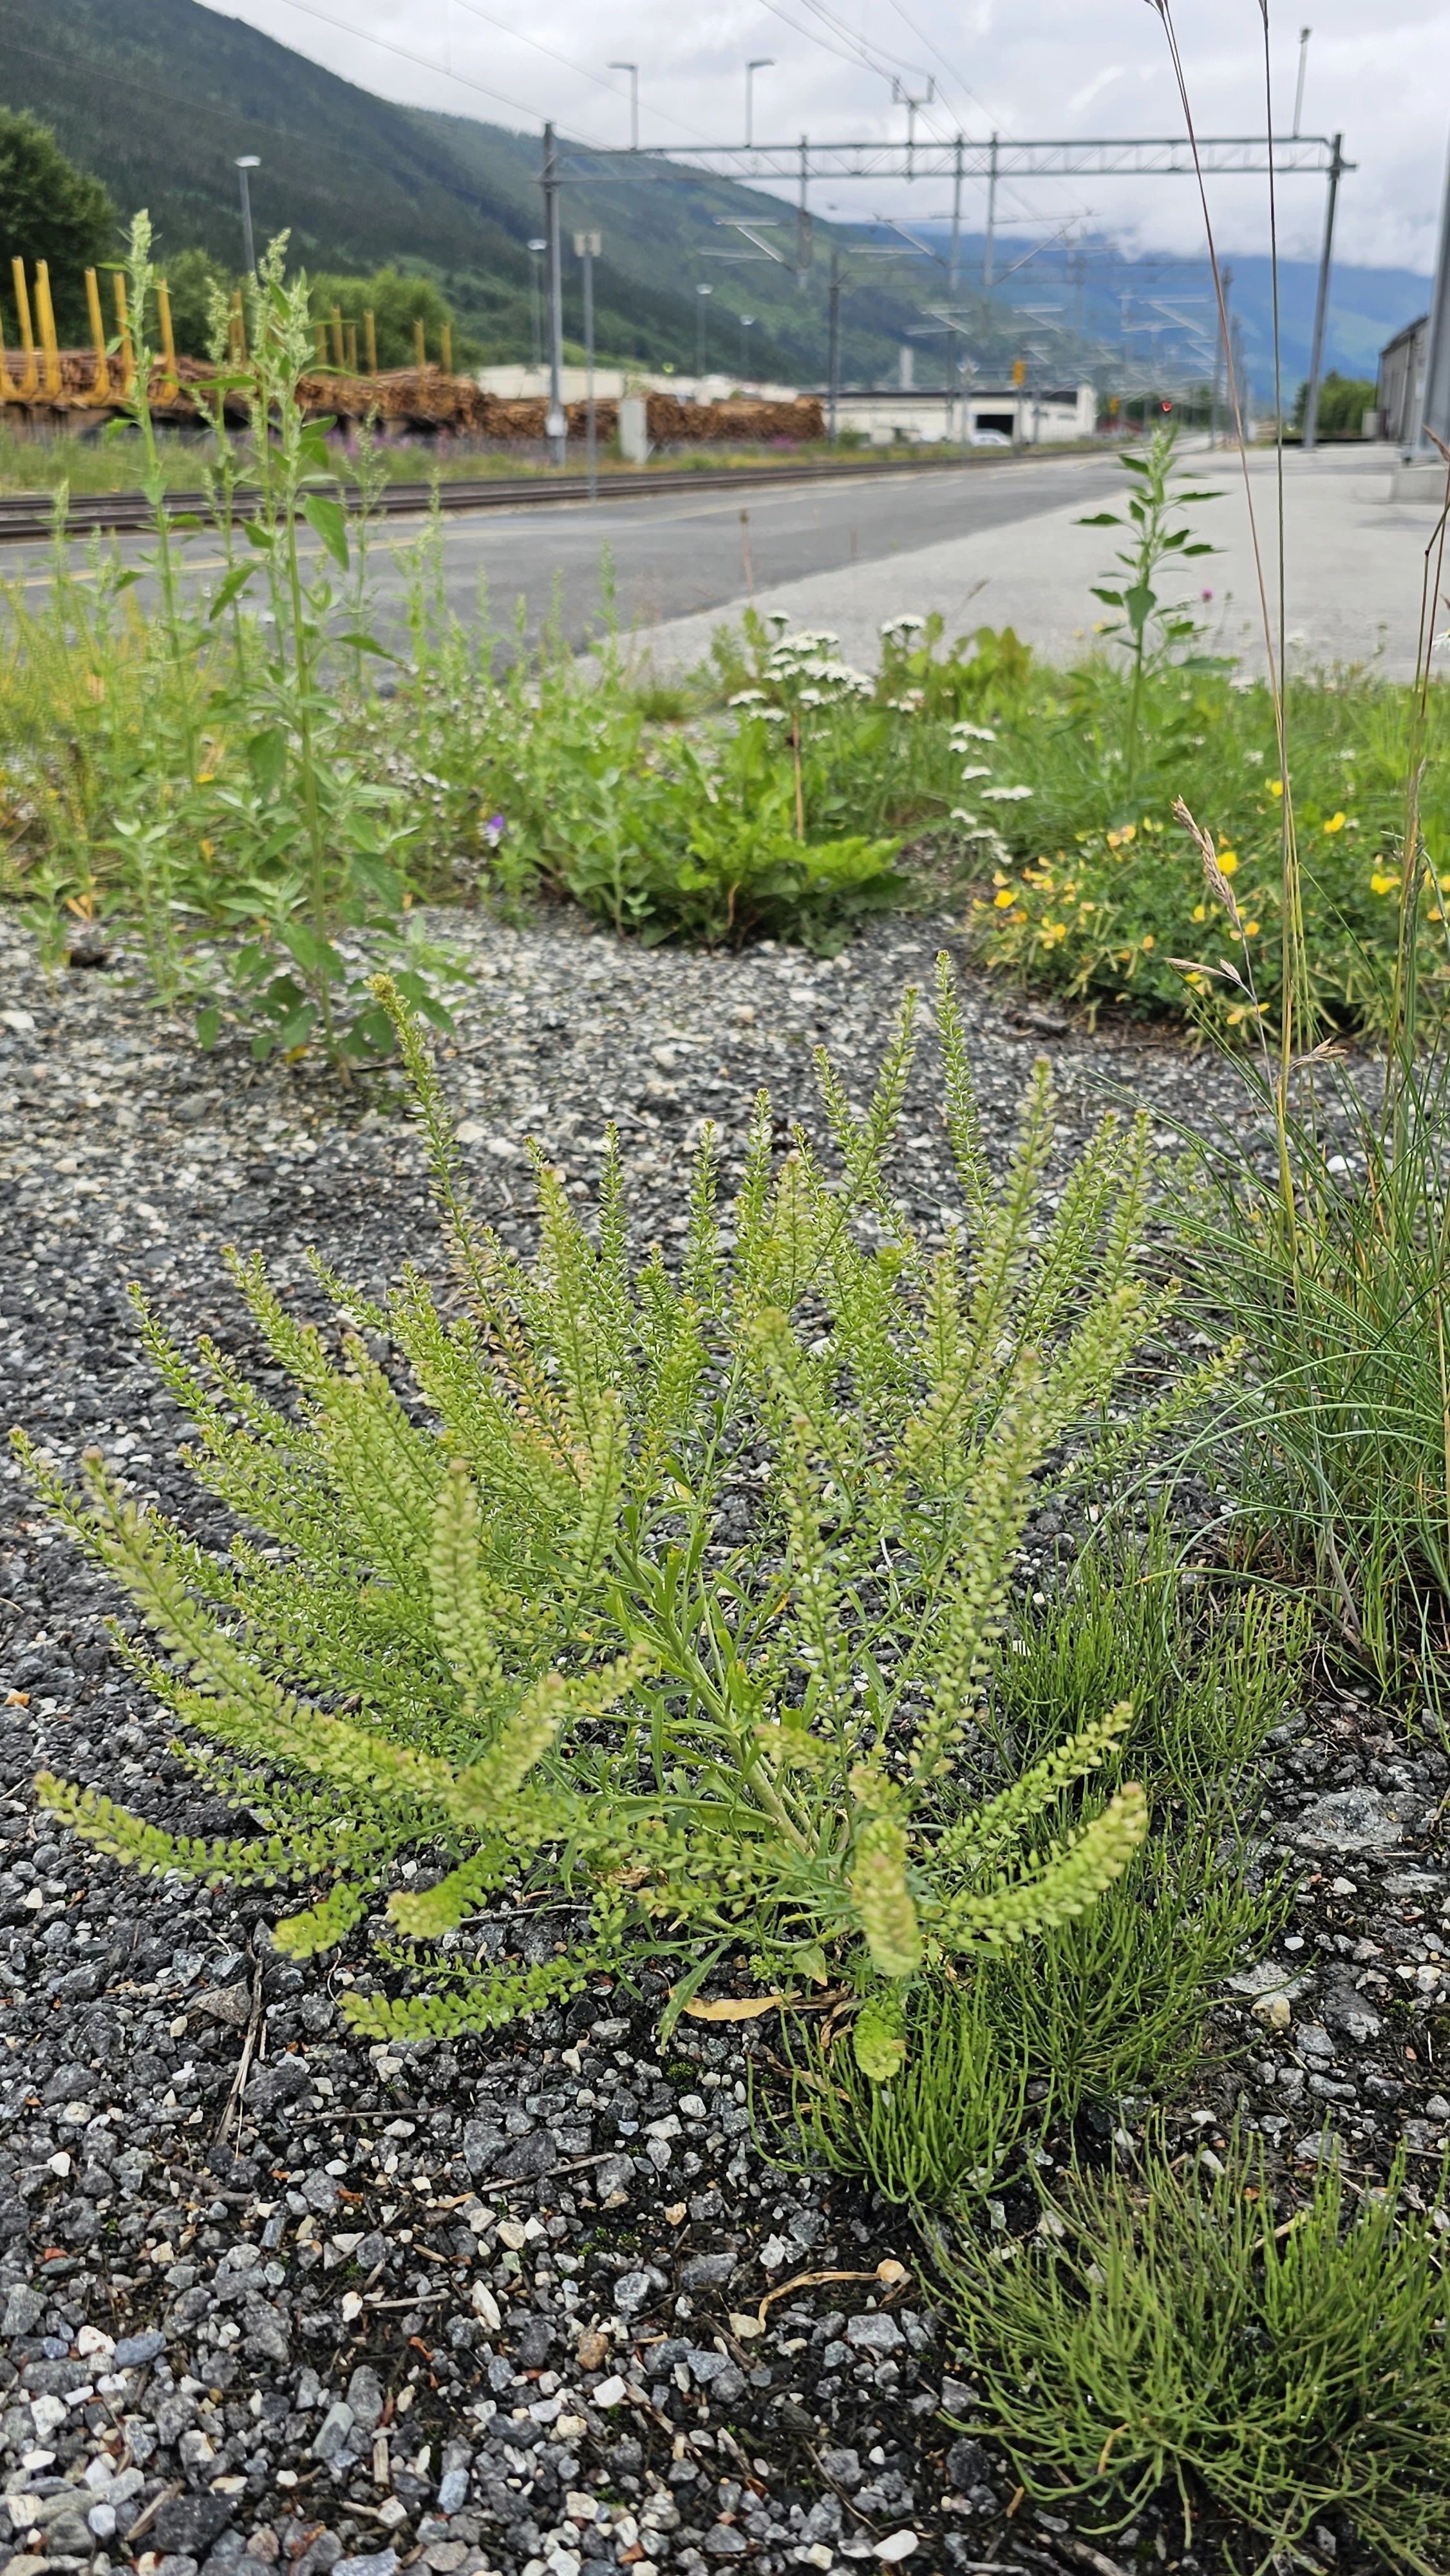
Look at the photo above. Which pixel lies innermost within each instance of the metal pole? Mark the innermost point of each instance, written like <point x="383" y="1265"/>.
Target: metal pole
<point x="248" y="162"/>
<point x="591" y="454"/>
<point x="803" y="221"/>
<point x="556" y="427"/>
<point x="1220" y="353"/>
<point x="1321" y="307"/>
<point x="761" y="63"/>
<point x="587" y="247"/>
<point x="991" y="224"/>
<point x="536" y="309"/>
<point x="834" y="363"/>
<point x="955" y="261"/>
<point x="1304" y="35"/>
<point x="633" y="71"/>
<point x="1435" y="394"/>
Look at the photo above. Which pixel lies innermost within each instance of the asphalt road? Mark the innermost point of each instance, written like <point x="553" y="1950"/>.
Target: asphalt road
<point x="680" y="554"/>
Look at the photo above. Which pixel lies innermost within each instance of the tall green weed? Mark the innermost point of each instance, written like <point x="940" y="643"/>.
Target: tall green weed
<point x="682" y="1607"/>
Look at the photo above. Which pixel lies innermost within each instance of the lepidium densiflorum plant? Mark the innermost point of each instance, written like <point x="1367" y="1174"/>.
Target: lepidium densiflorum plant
<point x="668" y="1594"/>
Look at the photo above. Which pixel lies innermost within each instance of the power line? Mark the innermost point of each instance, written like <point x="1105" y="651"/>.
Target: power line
<point x="440" y="71"/>
<point x="930" y="42"/>
<point x="507" y="28"/>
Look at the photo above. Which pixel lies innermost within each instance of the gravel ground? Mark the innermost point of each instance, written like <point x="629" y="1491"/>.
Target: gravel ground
<point x="536" y="2304"/>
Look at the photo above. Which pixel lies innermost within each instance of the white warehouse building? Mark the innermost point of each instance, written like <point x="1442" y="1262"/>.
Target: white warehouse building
<point x="1019" y="415"/>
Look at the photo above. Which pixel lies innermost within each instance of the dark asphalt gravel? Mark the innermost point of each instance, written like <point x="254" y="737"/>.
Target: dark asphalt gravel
<point x="269" y="2294"/>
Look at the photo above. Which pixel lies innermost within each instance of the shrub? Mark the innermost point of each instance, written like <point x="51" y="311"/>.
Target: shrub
<point x="671" y="1594"/>
<point x="53" y="211"/>
<point x="1098" y="893"/>
<point x="397" y="304"/>
<point x="1172" y="2325"/>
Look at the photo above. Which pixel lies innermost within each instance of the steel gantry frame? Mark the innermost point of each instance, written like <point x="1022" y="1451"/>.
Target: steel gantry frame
<point x="994" y="160"/>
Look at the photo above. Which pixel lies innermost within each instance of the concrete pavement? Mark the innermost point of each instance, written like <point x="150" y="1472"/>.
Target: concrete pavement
<point x="1354" y="561"/>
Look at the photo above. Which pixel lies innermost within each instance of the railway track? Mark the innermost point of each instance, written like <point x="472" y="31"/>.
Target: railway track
<point x="30" y="516"/>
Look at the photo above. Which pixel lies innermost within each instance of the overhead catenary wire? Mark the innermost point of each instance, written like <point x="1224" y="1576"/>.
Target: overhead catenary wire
<point x="440" y="71"/>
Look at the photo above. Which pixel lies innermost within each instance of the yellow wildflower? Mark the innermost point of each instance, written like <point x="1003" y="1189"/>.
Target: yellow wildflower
<point x="1051" y="932"/>
<point x="1147" y="939"/>
<point x="1335" y="823"/>
<point x="1251" y="930"/>
<point x="1276" y="787"/>
<point x="1005" y="899"/>
<point x="1200" y="912"/>
<point x="1228" y="860"/>
<point x="1381" y="884"/>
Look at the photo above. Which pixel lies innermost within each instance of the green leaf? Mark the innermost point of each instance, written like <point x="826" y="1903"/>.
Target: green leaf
<point x="234" y="584"/>
<point x="208" y="1025"/>
<point x="256" y="535"/>
<point x="328" y="520"/>
<point x="267" y="758"/>
<point x="358" y="642"/>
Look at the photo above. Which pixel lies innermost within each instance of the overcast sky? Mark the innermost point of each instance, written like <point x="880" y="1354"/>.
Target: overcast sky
<point x="1377" y="69"/>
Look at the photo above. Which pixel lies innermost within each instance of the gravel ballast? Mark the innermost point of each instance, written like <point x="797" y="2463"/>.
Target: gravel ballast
<point x="538" y="2303"/>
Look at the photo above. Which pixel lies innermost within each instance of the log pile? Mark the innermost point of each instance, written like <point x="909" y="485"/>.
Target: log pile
<point x="739" y="422"/>
<point x="76" y="381"/>
<point x="670" y="422"/>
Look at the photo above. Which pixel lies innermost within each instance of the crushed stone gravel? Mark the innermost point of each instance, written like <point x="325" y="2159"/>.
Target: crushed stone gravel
<point x="273" y="2297"/>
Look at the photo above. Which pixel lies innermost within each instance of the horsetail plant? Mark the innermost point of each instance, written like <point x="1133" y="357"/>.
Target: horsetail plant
<point x="666" y="1596"/>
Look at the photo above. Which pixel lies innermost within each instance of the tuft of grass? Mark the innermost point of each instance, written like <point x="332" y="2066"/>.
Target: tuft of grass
<point x="1116" y="2008"/>
<point x="1207" y="1671"/>
<point x="1176" y="2325"/>
<point x="1339" y="1288"/>
<point x="944" y="2129"/>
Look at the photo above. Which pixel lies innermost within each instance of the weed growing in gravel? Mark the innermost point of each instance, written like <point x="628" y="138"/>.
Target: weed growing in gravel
<point x="1169" y="2324"/>
<point x="671" y="1595"/>
<point x="1114" y="2004"/>
<point x="1208" y="1675"/>
<point x="196" y="768"/>
<point x="944" y="2129"/>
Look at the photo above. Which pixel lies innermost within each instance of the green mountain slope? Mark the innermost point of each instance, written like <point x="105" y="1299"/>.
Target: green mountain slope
<point x="158" y="97"/>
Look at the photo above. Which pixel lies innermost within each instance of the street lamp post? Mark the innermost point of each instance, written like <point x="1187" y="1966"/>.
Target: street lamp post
<point x="747" y="324"/>
<point x="761" y="63"/>
<point x="703" y="292"/>
<point x="587" y="247"/>
<point x="248" y="161"/>
<point x="556" y="426"/>
<point x="633" y="71"/>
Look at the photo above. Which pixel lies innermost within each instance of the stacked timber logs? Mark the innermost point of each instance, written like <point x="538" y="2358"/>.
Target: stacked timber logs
<point x="670" y="422"/>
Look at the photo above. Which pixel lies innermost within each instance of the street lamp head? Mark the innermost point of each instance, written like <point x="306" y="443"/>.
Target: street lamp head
<point x="248" y="161"/>
<point x="761" y="63"/>
<point x="538" y="245"/>
<point x="704" y="290"/>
